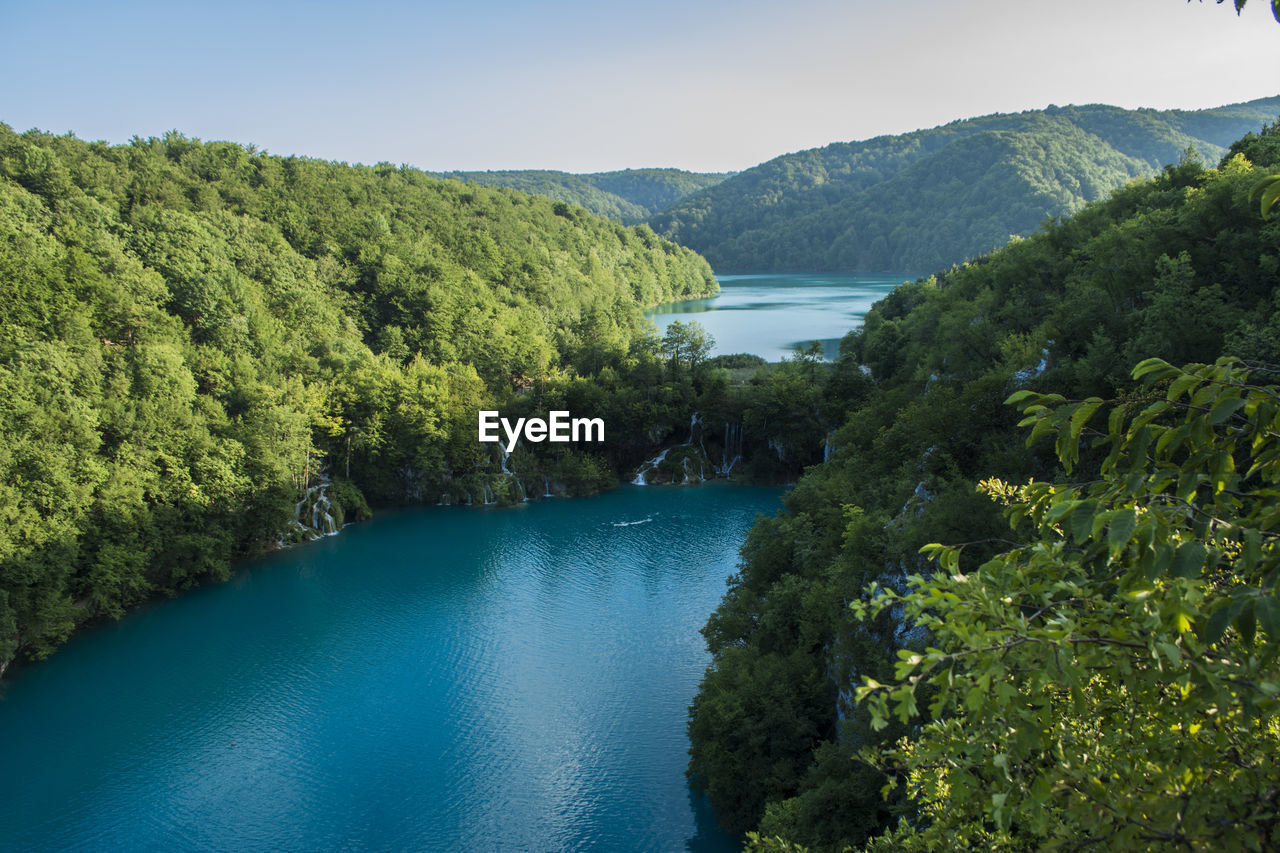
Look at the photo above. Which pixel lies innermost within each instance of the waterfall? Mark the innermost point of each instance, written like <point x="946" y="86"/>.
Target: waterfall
<point x="489" y="497"/>
<point x="696" y="476"/>
<point x="652" y="464"/>
<point x="828" y="447"/>
<point x="775" y="444"/>
<point x="732" y="453"/>
<point x="312" y="516"/>
<point x="546" y="488"/>
<point x="505" y="469"/>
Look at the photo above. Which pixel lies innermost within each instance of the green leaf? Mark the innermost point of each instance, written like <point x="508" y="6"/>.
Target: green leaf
<point x="1225" y="408"/>
<point x="1189" y="560"/>
<point x="1268" y="190"/>
<point x="1154" y="368"/>
<point x="1082" y="521"/>
<point x="1181" y="385"/>
<point x="1217" y="623"/>
<point x="1223" y="467"/>
<point x="1252" y="549"/>
<point x="1246" y="623"/>
<point x="1187" y="485"/>
<point x="1268" y="610"/>
<point x="1122" y="524"/>
<point x="1082" y="414"/>
<point x="1160" y="562"/>
<point x="1018" y="396"/>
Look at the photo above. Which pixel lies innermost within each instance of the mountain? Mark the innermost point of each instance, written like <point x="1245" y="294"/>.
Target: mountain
<point x="1181" y="267"/>
<point x="630" y="196"/>
<point x="932" y="198"/>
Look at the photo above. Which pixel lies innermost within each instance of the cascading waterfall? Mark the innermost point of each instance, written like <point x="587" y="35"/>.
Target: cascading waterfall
<point x="312" y="516"/>
<point x="695" y="466"/>
<point x="505" y="470"/>
<point x="651" y="465"/>
<point x="828" y="447"/>
<point x="732" y="453"/>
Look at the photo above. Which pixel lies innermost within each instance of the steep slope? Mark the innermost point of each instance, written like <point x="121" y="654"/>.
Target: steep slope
<point x="878" y="204"/>
<point x="1180" y="267"/>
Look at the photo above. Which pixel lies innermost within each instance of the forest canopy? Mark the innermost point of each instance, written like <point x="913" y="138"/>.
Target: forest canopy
<point x="194" y="331"/>
<point x="932" y="198"/>
<point x="1181" y="268"/>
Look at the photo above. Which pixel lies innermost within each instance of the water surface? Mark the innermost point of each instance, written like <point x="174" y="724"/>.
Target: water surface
<point x="436" y="679"/>
<point x="770" y="314"/>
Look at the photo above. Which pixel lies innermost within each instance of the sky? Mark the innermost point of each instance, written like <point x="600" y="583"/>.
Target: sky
<point x="595" y="85"/>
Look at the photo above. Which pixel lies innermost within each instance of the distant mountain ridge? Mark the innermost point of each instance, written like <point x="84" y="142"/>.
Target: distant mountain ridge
<point x="932" y="198"/>
<point x="629" y="196"/>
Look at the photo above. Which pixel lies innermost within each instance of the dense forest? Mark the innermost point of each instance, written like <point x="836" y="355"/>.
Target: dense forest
<point x="932" y="198"/>
<point x="630" y="196"/>
<point x="979" y="697"/>
<point x="196" y="335"/>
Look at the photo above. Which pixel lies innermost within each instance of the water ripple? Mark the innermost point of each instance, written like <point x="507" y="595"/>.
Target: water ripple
<point x="435" y="679"/>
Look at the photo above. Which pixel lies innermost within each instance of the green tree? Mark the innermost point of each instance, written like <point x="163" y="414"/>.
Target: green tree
<point x="686" y="344"/>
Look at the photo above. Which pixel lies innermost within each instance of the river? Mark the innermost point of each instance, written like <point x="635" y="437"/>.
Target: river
<point x="434" y="679"/>
<point x="770" y="314"/>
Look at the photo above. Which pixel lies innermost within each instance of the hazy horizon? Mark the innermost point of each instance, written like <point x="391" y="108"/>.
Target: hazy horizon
<point x="580" y="87"/>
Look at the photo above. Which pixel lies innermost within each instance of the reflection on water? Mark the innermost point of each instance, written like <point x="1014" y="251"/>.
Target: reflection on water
<point x="771" y="314"/>
<point x="436" y="679"/>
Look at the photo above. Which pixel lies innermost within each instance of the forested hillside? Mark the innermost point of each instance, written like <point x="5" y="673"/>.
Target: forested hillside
<point x="192" y="332"/>
<point x="1180" y="267"/>
<point x="928" y="199"/>
<point x="629" y="196"/>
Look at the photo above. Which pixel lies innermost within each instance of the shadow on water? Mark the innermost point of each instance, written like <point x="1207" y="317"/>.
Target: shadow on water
<point x="708" y="836"/>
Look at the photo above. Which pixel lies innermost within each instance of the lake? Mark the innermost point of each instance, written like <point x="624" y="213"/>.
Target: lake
<point x="434" y="679"/>
<point x="770" y="314"/>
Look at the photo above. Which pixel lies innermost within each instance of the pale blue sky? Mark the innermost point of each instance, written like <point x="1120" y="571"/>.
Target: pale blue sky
<point x="587" y="86"/>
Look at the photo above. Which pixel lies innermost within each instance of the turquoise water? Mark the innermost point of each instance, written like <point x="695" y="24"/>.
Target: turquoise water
<point x="435" y="679"/>
<point x="770" y="314"/>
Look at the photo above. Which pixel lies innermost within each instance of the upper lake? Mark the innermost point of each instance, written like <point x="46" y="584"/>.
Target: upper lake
<point x="434" y="679"/>
<point x="770" y="314"/>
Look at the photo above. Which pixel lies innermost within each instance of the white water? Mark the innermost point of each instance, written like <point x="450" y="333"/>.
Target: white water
<point x="314" y="523"/>
<point x="652" y="464"/>
<point x="732" y="453"/>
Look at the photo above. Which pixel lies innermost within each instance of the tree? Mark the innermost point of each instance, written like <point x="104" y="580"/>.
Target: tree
<point x="687" y="343"/>
<point x="1111" y="682"/>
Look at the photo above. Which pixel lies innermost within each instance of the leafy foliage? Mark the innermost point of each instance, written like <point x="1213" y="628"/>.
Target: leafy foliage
<point x="1112" y="681"/>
